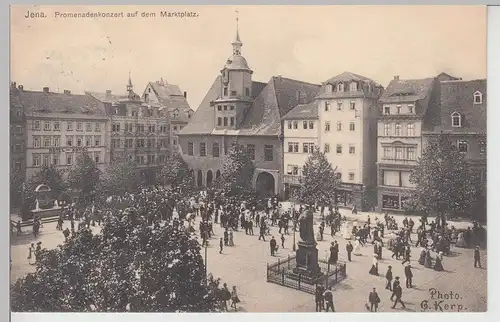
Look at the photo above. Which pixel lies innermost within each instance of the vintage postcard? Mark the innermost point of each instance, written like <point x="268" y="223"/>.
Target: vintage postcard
<point x="248" y="159"/>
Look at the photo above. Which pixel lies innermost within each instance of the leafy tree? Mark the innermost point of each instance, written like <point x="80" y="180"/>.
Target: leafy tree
<point x="444" y="182"/>
<point x="176" y="172"/>
<point x="237" y="171"/>
<point x="84" y="175"/>
<point x="319" y="181"/>
<point x="128" y="266"/>
<point x="52" y="177"/>
<point x="120" y="177"/>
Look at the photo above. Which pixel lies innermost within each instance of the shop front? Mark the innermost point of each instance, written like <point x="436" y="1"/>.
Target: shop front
<point x="393" y="200"/>
<point x="348" y="195"/>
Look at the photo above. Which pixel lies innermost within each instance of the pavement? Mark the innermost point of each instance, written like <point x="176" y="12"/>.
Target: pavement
<point x="461" y="287"/>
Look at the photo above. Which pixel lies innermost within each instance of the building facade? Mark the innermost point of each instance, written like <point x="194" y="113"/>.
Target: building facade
<point x="238" y="110"/>
<point x="60" y="126"/>
<point x="17" y="132"/>
<point x="301" y="137"/>
<point x="462" y="118"/>
<point x="347" y="108"/>
<point x="403" y="108"/>
<point x="140" y="132"/>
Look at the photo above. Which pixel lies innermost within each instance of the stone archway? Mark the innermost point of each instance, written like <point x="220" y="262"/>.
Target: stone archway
<point x="210" y="178"/>
<point x="265" y="184"/>
<point x="199" y="179"/>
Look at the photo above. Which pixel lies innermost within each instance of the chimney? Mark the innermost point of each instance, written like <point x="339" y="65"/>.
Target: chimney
<point x="20" y="87"/>
<point x="13" y="85"/>
<point x="67" y="91"/>
<point x="46" y="89"/>
<point x="396" y="77"/>
<point x="108" y="93"/>
<point x="185" y="94"/>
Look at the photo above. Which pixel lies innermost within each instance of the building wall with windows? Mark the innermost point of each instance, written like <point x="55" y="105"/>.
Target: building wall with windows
<point x="59" y="126"/>
<point x="17" y="132"/>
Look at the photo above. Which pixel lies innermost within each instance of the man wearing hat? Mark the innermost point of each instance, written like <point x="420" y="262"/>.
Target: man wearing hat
<point x="388" y="277"/>
<point x="477" y="257"/>
<point x="395" y="285"/>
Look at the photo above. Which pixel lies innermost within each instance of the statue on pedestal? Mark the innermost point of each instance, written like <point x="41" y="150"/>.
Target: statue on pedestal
<point x="306" y="227"/>
<point x="307" y="253"/>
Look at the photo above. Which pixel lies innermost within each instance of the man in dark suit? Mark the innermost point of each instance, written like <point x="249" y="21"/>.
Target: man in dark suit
<point x="272" y="244"/>
<point x="349" y="248"/>
<point x="477" y="257"/>
<point x="398" y="293"/>
<point x="409" y="276"/>
<point x="395" y="285"/>
<point x="388" y="277"/>
<point x="374" y="300"/>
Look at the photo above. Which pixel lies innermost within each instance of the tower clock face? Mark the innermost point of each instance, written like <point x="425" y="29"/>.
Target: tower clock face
<point x="225" y="76"/>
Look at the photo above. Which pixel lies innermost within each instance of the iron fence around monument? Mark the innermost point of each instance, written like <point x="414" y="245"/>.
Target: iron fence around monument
<point x="281" y="272"/>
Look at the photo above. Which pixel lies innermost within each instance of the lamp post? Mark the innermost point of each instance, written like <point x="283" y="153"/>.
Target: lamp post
<point x="294" y="225"/>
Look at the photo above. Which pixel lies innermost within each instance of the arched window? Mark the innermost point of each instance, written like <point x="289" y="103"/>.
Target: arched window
<point x="353" y="87"/>
<point x="478" y="98"/>
<point x="397" y="129"/>
<point x="340" y="87"/>
<point x="329" y="88"/>
<point x="456" y="119"/>
<point x="215" y="150"/>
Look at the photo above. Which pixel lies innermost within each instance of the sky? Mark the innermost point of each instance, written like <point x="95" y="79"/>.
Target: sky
<point x="307" y="43"/>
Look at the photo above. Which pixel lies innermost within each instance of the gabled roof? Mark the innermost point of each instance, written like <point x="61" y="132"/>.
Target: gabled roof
<point x="458" y="96"/>
<point x="271" y="102"/>
<point x="407" y="90"/>
<point x="108" y="98"/>
<point x="303" y="112"/>
<point x="170" y="96"/>
<point x="60" y="103"/>
<point x="349" y="77"/>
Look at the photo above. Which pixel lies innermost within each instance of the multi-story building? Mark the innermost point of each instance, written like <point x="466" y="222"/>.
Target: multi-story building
<point x="17" y="131"/>
<point x="238" y="110"/>
<point x="141" y="132"/>
<point x="347" y="108"/>
<point x="462" y="117"/>
<point x="403" y="108"/>
<point x="301" y="136"/>
<point x="164" y="95"/>
<point x="59" y="126"/>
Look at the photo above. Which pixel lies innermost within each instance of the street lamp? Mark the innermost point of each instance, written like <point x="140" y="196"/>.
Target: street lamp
<point x="294" y="225"/>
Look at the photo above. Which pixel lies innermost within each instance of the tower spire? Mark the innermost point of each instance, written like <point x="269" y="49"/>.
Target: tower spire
<point x="130" y="87"/>
<point x="237" y="42"/>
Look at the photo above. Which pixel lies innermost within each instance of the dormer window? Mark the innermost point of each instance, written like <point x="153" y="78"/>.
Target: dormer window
<point x="353" y="87"/>
<point x="340" y="87"/>
<point x="478" y="98"/>
<point x="456" y="119"/>
<point x="329" y="88"/>
<point x="176" y="113"/>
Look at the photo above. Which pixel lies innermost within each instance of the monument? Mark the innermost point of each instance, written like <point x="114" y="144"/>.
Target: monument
<point x="307" y="253"/>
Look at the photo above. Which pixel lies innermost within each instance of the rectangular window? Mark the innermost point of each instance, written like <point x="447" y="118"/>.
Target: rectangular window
<point x="352" y="149"/>
<point x="305" y="147"/>
<point x="69" y="126"/>
<point x="203" y="149"/>
<point x="327" y="106"/>
<point x="304" y="125"/>
<point x="327" y="148"/>
<point x="295" y="170"/>
<point x="339" y="126"/>
<point x="79" y="126"/>
<point x="351" y="176"/>
<point x="311" y="125"/>
<point x="97" y="157"/>
<point x="219" y="121"/>
<point x="46" y="142"/>
<point x="219" y="108"/>
<point x="46" y="126"/>
<point x="79" y="141"/>
<point x="289" y="125"/>
<point x="397" y="129"/>
<point x="36" y="125"/>
<point x="232" y="121"/>
<point x="411" y="153"/>
<point x="225" y="107"/>
<point x="290" y="147"/>
<point x="88" y="127"/>
<point x="410" y="109"/>
<point x="57" y="126"/>
<point x="225" y="91"/>
<point x="387" y="129"/>
<point x="295" y="125"/>
<point x="251" y="151"/>
<point x="225" y="121"/>
<point x="482" y="147"/>
<point x="387" y="152"/>
<point x="339" y="106"/>
<point x="97" y="141"/>
<point x="57" y="141"/>
<point x="463" y="146"/>
<point x="190" y="148"/>
<point x="268" y="153"/>
<point x="233" y="93"/>
<point x="352" y="126"/>
<point x="215" y="150"/>
<point x="88" y="141"/>
<point x="55" y="160"/>
<point x="352" y="105"/>
<point x="398" y="109"/>
<point x="36" y="142"/>
<point x="399" y="153"/>
<point x="327" y="126"/>
<point x="339" y="148"/>
<point x="387" y="110"/>
<point x="19" y="129"/>
<point x="353" y="86"/>
<point x="69" y="141"/>
<point x="98" y="127"/>
<point x="289" y="169"/>
<point x="46" y="160"/>
<point x="296" y="147"/>
<point x="69" y="158"/>
<point x="36" y="160"/>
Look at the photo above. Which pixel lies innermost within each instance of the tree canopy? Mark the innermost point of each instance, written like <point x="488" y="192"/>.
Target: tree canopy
<point x="237" y="171"/>
<point x="84" y="175"/>
<point x="444" y="181"/>
<point x="319" y="180"/>
<point x="127" y="266"/>
<point x="176" y="172"/>
<point x="120" y="177"/>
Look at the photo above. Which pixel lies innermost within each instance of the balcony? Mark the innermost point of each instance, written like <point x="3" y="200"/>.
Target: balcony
<point x="291" y="179"/>
<point x="397" y="161"/>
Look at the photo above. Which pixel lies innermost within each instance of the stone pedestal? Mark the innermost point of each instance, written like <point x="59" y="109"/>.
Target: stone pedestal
<point x="307" y="261"/>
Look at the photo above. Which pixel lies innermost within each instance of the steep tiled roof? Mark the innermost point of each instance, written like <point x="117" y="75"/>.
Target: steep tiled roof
<point x="170" y="96"/>
<point x="303" y="112"/>
<point x="272" y="101"/>
<point x="60" y="103"/>
<point x="407" y="90"/>
<point x="108" y="98"/>
<point x="348" y="77"/>
<point x="458" y="96"/>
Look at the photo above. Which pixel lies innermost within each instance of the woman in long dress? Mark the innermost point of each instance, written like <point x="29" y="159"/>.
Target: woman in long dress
<point x="374" y="269"/>
<point x="234" y="298"/>
<point x="357" y="246"/>
<point x="421" y="259"/>
<point x="428" y="259"/>
<point x="461" y="240"/>
<point x="231" y="240"/>
<point x="438" y="266"/>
